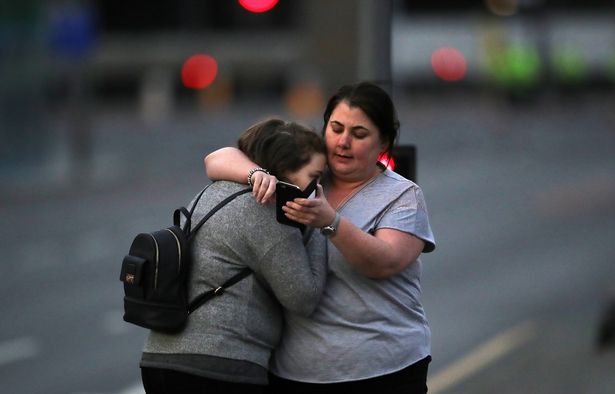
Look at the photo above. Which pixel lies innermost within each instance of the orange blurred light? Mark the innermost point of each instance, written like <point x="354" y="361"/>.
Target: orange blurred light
<point x="305" y="99"/>
<point x="503" y="7"/>
<point x="199" y="71"/>
<point x="258" y="5"/>
<point x="448" y="64"/>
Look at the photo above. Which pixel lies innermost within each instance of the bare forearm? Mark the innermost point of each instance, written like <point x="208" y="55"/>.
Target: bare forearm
<point x="372" y="256"/>
<point x="231" y="164"/>
<point x="228" y="164"/>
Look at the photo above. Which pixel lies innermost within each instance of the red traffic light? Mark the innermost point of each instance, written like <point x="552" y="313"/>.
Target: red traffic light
<point x="448" y="64"/>
<point x="199" y="71"/>
<point x="258" y="5"/>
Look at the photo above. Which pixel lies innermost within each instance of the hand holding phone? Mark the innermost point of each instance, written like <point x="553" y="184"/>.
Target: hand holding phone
<point x="285" y="192"/>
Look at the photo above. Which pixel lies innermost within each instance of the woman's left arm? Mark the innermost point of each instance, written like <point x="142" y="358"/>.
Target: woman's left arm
<point x="385" y="253"/>
<point x="378" y="256"/>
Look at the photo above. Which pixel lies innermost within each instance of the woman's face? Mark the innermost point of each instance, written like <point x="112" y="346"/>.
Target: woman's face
<point x="353" y="144"/>
<point x="308" y="172"/>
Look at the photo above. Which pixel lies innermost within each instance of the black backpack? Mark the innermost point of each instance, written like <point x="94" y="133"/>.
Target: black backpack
<point x="155" y="274"/>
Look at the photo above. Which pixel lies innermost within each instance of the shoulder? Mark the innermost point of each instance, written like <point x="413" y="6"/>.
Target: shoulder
<point x="219" y="190"/>
<point x="390" y="186"/>
<point x="243" y="204"/>
<point x="405" y="208"/>
<point x="393" y="179"/>
<point x="222" y="187"/>
<point x="244" y="211"/>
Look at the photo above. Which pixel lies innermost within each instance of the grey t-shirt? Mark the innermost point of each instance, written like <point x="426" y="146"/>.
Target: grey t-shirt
<point x="364" y="327"/>
<point x="231" y="336"/>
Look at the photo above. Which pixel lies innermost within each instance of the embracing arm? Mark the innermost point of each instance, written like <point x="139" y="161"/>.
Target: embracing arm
<point x="217" y="167"/>
<point x="385" y="253"/>
<point x="297" y="274"/>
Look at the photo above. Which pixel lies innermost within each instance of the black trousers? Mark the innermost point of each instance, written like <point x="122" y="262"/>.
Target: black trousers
<point x="166" y="381"/>
<point x="410" y="380"/>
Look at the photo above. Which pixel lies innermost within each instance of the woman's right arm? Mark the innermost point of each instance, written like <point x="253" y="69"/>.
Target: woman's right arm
<point x="231" y="164"/>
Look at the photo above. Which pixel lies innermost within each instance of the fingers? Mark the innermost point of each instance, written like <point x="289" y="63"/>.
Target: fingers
<point x="295" y="212"/>
<point x="303" y="210"/>
<point x="263" y="186"/>
<point x="314" y="212"/>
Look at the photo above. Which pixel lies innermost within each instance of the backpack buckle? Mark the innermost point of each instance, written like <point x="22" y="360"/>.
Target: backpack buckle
<point x="219" y="290"/>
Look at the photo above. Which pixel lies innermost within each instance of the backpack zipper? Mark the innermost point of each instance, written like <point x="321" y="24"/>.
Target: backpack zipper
<point x="157" y="258"/>
<point x="179" y="251"/>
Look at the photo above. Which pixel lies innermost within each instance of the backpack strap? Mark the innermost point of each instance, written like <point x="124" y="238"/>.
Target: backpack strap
<point x="214" y="210"/>
<point x="187" y="214"/>
<point x="200" y="300"/>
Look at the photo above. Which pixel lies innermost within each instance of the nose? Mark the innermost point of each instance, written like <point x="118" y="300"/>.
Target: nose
<point x="344" y="140"/>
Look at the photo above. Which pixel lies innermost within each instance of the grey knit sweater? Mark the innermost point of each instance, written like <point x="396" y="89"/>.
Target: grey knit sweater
<point x="231" y="336"/>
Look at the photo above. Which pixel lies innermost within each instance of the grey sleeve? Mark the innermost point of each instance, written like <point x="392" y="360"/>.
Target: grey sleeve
<point x="296" y="274"/>
<point x="409" y="214"/>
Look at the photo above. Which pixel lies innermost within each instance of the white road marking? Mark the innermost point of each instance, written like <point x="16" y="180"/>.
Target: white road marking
<point x="137" y="388"/>
<point x="482" y="356"/>
<point x="18" y="349"/>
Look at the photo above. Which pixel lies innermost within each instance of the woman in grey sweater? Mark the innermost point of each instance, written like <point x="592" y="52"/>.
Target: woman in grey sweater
<point x="227" y="342"/>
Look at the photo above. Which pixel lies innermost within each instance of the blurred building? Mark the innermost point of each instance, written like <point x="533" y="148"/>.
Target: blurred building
<point x="75" y="55"/>
<point x="133" y="51"/>
<point x="510" y="44"/>
<point x="143" y="45"/>
<point x="516" y="44"/>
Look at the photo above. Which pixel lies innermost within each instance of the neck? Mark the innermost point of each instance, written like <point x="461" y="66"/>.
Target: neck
<point x="350" y="182"/>
<point x="342" y="188"/>
<point x="348" y="185"/>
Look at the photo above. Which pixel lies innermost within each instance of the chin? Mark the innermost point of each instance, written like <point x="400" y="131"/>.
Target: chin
<point x="341" y="170"/>
<point x="337" y="166"/>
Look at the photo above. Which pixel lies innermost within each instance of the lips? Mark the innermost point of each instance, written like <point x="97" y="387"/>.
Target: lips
<point x="342" y="156"/>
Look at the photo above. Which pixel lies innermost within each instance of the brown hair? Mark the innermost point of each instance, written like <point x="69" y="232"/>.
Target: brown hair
<point x="280" y="147"/>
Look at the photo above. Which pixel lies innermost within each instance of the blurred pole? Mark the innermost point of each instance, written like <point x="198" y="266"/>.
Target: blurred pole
<point x="534" y="11"/>
<point x="331" y="41"/>
<point x="349" y="40"/>
<point x="374" y="39"/>
<point x="374" y="64"/>
<point x="79" y="128"/>
<point x="72" y="35"/>
<point x="23" y="128"/>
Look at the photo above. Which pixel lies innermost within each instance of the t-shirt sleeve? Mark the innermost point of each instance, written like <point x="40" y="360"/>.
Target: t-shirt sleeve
<point x="408" y="213"/>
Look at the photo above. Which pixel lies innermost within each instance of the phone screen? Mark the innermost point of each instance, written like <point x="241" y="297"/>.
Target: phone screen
<point x="285" y="192"/>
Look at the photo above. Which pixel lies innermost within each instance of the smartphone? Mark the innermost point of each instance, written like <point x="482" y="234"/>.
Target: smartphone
<point x="285" y="192"/>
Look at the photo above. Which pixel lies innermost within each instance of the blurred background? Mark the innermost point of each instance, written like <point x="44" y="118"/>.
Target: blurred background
<point x="507" y="108"/>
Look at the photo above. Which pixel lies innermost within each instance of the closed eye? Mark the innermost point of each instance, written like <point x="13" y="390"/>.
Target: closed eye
<point x="337" y="128"/>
